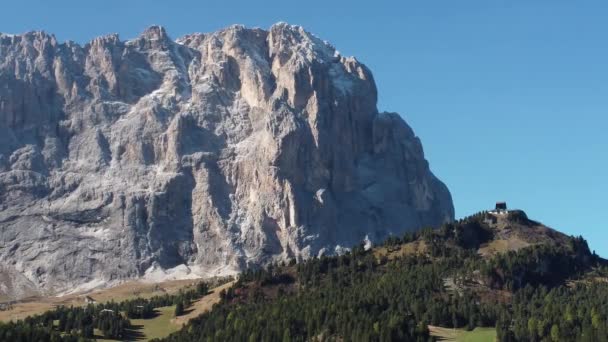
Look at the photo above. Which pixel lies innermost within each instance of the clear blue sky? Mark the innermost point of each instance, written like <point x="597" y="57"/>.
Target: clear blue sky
<point x="510" y="98"/>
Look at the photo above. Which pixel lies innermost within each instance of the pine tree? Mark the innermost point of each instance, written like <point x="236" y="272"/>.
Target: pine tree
<point x="286" y="335"/>
<point x="179" y="309"/>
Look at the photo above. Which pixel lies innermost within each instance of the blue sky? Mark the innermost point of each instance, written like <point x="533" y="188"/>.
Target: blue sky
<point x="510" y="98"/>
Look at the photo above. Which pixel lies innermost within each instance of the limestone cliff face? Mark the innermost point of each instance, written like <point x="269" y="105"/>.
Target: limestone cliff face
<point x="215" y="151"/>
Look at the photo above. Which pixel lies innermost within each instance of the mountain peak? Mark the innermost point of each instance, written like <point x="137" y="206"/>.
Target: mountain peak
<point x="155" y="32"/>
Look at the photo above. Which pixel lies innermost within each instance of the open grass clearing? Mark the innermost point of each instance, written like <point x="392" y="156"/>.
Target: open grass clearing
<point x="462" y="335"/>
<point x="202" y="305"/>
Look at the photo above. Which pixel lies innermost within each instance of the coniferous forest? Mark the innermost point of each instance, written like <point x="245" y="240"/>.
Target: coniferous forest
<point x="543" y="292"/>
<point x="556" y="290"/>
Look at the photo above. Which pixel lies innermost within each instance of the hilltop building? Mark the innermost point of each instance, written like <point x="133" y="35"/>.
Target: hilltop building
<point x="501" y="208"/>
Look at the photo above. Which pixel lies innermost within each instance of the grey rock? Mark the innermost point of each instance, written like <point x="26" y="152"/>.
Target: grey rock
<point x="208" y="154"/>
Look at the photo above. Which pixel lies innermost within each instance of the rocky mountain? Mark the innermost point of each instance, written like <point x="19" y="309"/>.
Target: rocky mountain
<point x="155" y="157"/>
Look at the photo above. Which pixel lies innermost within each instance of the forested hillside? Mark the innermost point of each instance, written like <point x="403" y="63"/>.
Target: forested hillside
<point x="526" y="281"/>
<point x="551" y="289"/>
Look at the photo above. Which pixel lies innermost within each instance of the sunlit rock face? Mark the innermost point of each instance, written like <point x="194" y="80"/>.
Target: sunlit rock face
<point x="206" y="154"/>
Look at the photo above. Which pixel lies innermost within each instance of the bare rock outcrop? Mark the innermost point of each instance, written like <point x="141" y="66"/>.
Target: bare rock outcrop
<point x="124" y="159"/>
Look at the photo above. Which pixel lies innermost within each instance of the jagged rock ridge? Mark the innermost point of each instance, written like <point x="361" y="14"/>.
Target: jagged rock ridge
<point x="119" y="159"/>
